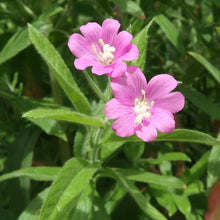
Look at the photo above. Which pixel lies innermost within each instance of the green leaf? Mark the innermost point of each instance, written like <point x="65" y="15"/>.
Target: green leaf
<point x="215" y="72"/>
<point x="23" y="104"/>
<point x="109" y="150"/>
<point x="182" y="203"/>
<point x="134" y="9"/>
<point x="32" y="211"/>
<point x="141" y="41"/>
<point x="61" y="71"/>
<point x="81" y="141"/>
<point x="171" y="32"/>
<point x="90" y="206"/>
<point x="34" y="173"/>
<point x="50" y="12"/>
<point x="129" y="7"/>
<point x="113" y="197"/>
<point x="148" y="177"/>
<point x="20" y="155"/>
<point x="50" y="126"/>
<point x="70" y="182"/>
<point x="182" y="135"/>
<point x="164" y="198"/>
<point x="65" y="115"/>
<point x="195" y="187"/>
<point x="218" y="30"/>
<point x="197" y="170"/>
<point x="201" y="101"/>
<point x="134" y="151"/>
<point x="213" y="165"/>
<point x="139" y="198"/>
<point x="19" y="41"/>
<point x="84" y="206"/>
<point x="95" y="87"/>
<point x="173" y="156"/>
<point x="99" y="210"/>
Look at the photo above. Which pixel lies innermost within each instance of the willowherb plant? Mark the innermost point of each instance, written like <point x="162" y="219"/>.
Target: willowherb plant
<point x="113" y="155"/>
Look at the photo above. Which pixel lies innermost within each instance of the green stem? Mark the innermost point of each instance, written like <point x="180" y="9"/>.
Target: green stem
<point x="94" y="87"/>
<point x="95" y="146"/>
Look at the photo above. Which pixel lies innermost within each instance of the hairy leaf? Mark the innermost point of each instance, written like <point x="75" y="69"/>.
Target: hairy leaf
<point x="66" y="115"/>
<point x="61" y="71"/>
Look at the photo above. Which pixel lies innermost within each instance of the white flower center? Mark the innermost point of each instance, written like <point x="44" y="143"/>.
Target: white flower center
<point x="106" y="56"/>
<point x="141" y="109"/>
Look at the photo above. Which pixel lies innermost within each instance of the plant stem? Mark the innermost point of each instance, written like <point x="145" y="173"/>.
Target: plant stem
<point x="94" y="87"/>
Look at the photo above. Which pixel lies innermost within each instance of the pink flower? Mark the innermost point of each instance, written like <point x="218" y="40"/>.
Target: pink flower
<point x="141" y="107"/>
<point x="103" y="48"/>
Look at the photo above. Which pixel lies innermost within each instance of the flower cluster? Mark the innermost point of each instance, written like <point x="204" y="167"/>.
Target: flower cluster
<point x="139" y="107"/>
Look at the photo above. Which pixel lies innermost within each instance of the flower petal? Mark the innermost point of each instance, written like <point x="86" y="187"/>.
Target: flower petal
<point x="124" y="126"/>
<point x="162" y="120"/>
<point x="82" y="63"/>
<point x="91" y="31"/>
<point x="146" y="133"/>
<point x="136" y="80"/>
<point x="160" y="86"/>
<point x="78" y="45"/>
<point x="122" y="40"/>
<point x="100" y="69"/>
<point x="119" y="69"/>
<point x="124" y="49"/>
<point x="173" y="102"/>
<point x="109" y="31"/>
<point x="131" y="54"/>
<point x="122" y="92"/>
<point x="114" y="109"/>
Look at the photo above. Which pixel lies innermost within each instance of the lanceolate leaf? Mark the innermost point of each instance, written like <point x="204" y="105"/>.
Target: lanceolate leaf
<point x="70" y="182"/>
<point x="214" y="165"/>
<point x="171" y="32"/>
<point x="61" y="71"/>
<point x="141" y="40"/>
<point x="20" y="155"/>
<point x="32" y="211"/>
<point x="201" y="101"/>
<point x="140" y="199"/>
<point x="197" y="170"/>
<point x="65" y="115"/>
<point x="19" y="41"/>
<point x="90" y="206"/>
<point x="130" y="7"/>
<point x="50" y="126"/>
<point x="173" y="156"/>
<point x="183" y="135"/>
<point x="163" y="197"/>
<point x="148" y="177"/>
<point x="215" y="72"/>
<point x="34" y="173"/>
<point x="182" y="203"/>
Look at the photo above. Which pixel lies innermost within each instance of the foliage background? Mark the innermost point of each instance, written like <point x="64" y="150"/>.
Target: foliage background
<point x="183" y="40"/>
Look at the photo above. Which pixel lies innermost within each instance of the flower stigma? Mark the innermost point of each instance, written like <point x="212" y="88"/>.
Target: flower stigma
<point x="141" y="108"/>
<point x="106" y="56"/>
